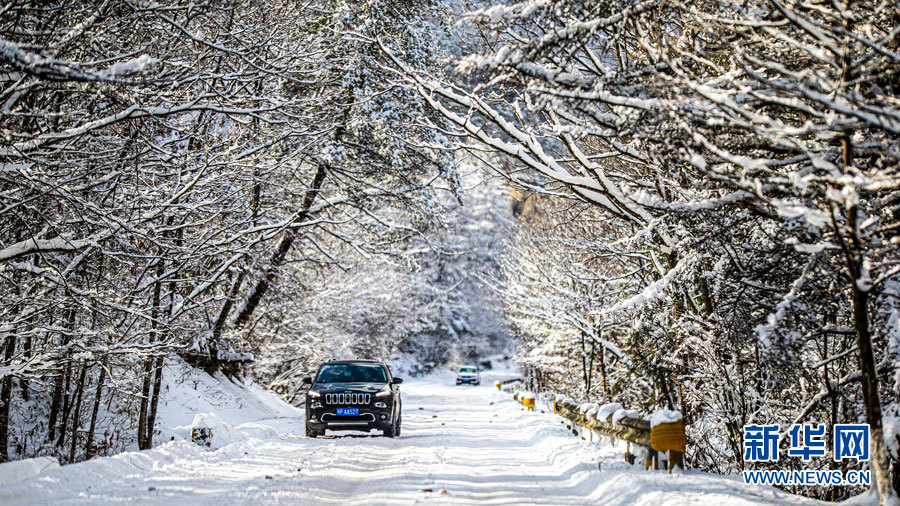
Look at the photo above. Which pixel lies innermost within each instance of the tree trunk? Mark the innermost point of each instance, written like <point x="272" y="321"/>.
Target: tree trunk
<point x="879" y="460"/>
<point x="24" y="383"/>
<point x="6" y="400"/>
<point x="54" y="408"/>
<point x="705" y="295"/>
<point x="584" y="369"/>
<point x="154" y="399"/>
<point x="58" y="386"/>
<point x="603" y="373"/>
<point x="228" y="304"/>
<point x="76" y="414"/>
<point x="143" y="413"/>
<point x="284" y="246"/>
<point x="66" y="405"/>
<point x="853" y="251"/>
<point x="89" y="452"/>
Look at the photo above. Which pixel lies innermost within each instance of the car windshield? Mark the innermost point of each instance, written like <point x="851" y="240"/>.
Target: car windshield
<point x="466" y="369"/>
<point x="352" y="373"/>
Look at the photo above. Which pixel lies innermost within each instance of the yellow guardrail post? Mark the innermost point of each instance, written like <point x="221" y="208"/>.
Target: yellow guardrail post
<point x="670" y="437"/>
<point x="528" y="402"/>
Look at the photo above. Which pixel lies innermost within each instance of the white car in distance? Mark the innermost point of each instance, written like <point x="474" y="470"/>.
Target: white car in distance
<point x="468" y="374"/>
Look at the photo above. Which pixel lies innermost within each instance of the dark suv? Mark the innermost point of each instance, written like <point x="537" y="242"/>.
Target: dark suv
<point x="353" y="395"/>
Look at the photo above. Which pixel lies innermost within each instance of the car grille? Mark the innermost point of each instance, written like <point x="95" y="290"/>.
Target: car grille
<point x="348" y="420"/>
<point x="347" y="398"/>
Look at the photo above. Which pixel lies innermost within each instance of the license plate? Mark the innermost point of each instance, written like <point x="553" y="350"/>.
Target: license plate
<point x="347" y="412"/>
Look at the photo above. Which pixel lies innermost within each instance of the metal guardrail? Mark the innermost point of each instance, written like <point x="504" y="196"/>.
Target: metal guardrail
<point x="507" y="383"/>
<point x="664" y="437"/>
<point x="633" y="430"/>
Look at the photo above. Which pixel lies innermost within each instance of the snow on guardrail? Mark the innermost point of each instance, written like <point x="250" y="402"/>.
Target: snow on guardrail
<point x="663" y="433"/>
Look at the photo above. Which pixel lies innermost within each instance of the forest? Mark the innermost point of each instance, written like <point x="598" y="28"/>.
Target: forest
<point x="667" y="204"/>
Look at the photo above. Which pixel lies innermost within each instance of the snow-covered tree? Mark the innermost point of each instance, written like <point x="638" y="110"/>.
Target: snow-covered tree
<point x="748" y="153"/>
<point x="162" y="163"/>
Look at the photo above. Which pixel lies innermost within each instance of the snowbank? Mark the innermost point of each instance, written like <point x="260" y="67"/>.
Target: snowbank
<point x="209" y="430"/>
<point x="242" y="407"/>
<point x="20" y="470"/>
<point x="236" y="416"/>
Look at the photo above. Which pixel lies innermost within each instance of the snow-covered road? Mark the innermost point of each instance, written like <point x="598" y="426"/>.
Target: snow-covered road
<point x="459" y="445"/>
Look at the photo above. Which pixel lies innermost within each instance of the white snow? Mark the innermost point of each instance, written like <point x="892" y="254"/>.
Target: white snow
<point x="220" y="433"/>
<point x="654" y="290"/>
<point x="458" y="446"/>
<point x="29" y="246"/>
<point x="188" y="392"/>
<point x="607" y="409"/>
<point x="14" y="472"/>
<point x="587" y="406"/>
<point x="662" y="416"/>
<point x="619" y="414"/>
<point x="235" y="356"/>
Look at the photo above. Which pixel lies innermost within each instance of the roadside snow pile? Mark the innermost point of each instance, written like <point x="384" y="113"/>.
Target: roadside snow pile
<point x="209" y="430"/>
<point x="261" y="430"/>
<point x="619" y="414"/>
<point x="229" y="411"/>
<point x="606" y="410"/>
<point x="20" y="470"/>
<point x="189" y="393"/>
<point x="662" y="416"/>
<point x="74" y="483"/>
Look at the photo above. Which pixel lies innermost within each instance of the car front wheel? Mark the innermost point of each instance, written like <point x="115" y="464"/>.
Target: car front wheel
<point x="394" y="430"/>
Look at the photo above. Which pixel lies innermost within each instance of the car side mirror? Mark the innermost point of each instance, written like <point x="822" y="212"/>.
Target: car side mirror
<point x="396" y="381"/>
<point x="307" y="380"/>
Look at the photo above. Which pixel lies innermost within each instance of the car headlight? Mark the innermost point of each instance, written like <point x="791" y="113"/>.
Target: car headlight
<point x="383" y="394"/>
<point x="380" y="405"/>
<point x="316" y="404"/>
<point x="313" y="394"/>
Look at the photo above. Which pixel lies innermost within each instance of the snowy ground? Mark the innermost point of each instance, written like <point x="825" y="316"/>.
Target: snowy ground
<point x="459" y="445"/>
